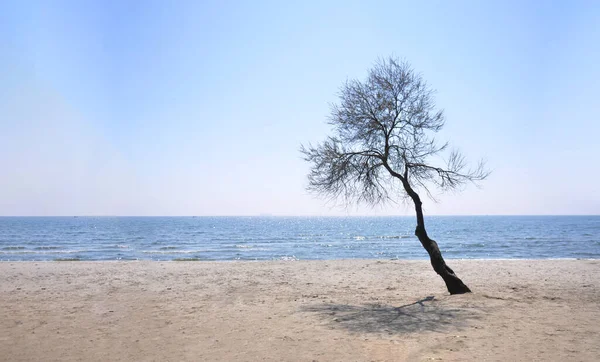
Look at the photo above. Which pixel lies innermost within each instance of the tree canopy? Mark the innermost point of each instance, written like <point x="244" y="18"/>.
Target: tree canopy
<point x="384" y="130"/>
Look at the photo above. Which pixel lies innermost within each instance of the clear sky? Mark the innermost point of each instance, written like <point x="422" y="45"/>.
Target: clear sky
<point x="199" y="107"/>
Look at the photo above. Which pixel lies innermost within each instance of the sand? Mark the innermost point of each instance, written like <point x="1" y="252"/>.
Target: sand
<point x="350" y="310"/>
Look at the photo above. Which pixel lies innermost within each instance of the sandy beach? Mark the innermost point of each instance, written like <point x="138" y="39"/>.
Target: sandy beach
<point x="349" y="310"/>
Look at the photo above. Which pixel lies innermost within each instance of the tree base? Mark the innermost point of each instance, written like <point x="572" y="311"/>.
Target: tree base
<point x="453" y="283"/>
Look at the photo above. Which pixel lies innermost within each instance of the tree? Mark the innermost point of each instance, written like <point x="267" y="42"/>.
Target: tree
<point x="384" y="148"/>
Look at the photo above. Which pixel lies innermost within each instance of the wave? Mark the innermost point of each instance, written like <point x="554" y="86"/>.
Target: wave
<point x="15" y="252"/>
<point x="476" y="245"/>
<point x="169" y="247"/>
<point x="49" y="247"/>
<point x="172" y="251"/>
<point x="14" y="248"/>
<point x="361" y="237"/>
<point x="177" y="251"/>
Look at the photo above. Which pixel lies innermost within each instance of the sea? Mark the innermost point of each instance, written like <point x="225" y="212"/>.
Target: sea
<point x="295" y="238"/>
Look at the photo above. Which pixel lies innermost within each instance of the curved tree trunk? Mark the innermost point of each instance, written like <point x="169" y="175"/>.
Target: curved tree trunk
<point x="453" y="283"/>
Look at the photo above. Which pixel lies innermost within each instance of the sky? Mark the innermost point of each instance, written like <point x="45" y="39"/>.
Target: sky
<point x="200" y="107"/>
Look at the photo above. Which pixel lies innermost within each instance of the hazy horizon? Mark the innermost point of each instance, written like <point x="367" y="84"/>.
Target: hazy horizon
<point x="199" y="108"/>
<point x="308" y="216"/>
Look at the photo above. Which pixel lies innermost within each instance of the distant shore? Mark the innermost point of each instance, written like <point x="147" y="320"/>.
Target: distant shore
<point x="339" y="310"/>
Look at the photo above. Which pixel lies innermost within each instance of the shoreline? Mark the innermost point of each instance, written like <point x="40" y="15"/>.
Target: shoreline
<point x="283" y="260"/>
<point x="301" y="310"/>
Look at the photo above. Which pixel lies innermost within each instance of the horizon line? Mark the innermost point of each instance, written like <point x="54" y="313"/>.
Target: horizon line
<point x="324" y="216"/>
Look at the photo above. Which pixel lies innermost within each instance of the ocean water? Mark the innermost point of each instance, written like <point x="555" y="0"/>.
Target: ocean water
<point x="292" y="238"/>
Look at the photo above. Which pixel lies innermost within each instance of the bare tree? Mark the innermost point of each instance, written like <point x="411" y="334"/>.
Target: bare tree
<point x="384" y="148"/>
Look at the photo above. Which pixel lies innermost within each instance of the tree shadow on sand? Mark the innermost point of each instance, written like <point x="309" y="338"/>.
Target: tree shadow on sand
<point x="425" y="314"/>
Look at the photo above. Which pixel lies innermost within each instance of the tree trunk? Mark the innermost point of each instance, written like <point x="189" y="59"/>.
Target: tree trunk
<point x="453" y="283"/>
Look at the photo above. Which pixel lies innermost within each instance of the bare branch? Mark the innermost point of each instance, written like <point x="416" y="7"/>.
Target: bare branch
<point x="350" y="175"/>
<point x="384" y="129"/>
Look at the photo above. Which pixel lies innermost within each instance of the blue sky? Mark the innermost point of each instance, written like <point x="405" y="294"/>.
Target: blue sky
<point x="199" y="107"/>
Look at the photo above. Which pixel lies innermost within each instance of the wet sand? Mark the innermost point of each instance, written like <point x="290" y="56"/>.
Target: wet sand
<point x="349" y="310"/>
